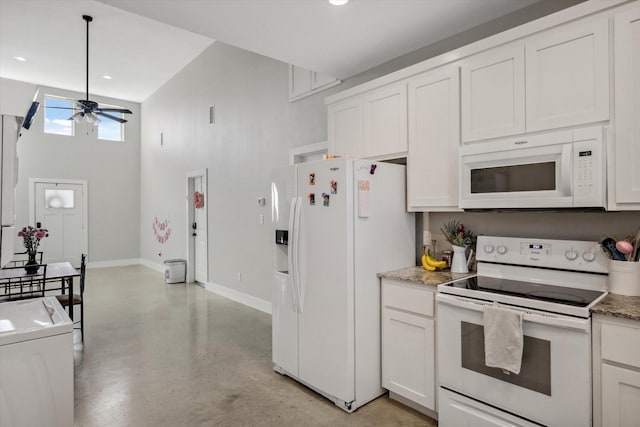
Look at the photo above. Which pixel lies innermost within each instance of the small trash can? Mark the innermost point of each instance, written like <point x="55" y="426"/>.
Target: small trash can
<point x="175" y="271"/>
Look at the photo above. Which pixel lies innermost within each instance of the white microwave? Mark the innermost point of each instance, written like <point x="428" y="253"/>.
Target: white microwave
<point x="565" y="169"/>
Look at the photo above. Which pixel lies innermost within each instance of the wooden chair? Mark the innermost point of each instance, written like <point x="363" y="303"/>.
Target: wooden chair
<point x="21" y="258"/>
<point x="22" y="285"/>
<point x="77" y="298"/>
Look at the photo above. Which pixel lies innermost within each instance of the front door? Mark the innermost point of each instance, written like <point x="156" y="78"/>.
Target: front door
<point x="59" y="207"/>
<point x="200" y="231"/>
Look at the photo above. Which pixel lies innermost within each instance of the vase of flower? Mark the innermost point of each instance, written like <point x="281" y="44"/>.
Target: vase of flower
<point x="31" y="237"/>
<point x="459" y="263"/>
<point x="460" y="238"/>
<point x="32" y="265"/>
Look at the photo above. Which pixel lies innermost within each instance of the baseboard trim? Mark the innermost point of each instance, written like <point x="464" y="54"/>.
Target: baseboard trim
<point x="153" y="265"/>
<point x="241" y="297"/>
<point x="114" y="263"/>
<point x="237" y="296"/>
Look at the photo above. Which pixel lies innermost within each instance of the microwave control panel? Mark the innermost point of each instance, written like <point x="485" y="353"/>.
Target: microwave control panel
<point x="588" y="171"/>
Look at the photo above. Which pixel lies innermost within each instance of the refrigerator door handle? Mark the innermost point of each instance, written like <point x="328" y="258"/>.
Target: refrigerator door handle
<point x="291" y="252"/>
<point x="296" y="250"/>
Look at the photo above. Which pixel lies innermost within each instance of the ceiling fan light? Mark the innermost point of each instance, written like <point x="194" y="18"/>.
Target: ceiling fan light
<point x="77" y="117"/>
<point x="338" y="2"/>
<point x="92" y="119"/>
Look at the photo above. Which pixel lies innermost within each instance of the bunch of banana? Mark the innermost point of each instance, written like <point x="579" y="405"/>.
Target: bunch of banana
<point x="430" y="263"/>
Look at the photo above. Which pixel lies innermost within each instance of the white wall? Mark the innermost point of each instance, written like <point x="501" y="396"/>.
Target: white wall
<point x="254" y="129"/>
<point x="566" y="225"/>
<point x="111" y="169"/>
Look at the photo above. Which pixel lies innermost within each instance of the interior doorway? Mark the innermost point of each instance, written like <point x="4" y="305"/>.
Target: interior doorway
<point x="60" y="206"/>
<point x="197" y="235"/>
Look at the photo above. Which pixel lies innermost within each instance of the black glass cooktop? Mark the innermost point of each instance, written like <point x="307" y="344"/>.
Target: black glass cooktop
<point x="534" y="291"/>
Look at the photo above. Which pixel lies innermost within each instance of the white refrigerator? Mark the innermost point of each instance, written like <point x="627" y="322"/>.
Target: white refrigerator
<point x="337" y="224"/>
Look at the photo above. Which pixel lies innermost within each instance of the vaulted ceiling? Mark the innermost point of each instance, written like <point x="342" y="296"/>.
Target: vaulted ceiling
<point x="141" y="44"/>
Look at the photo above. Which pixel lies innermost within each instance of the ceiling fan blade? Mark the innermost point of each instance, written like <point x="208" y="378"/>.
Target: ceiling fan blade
<point x="61" y="108"/>
<point x="114" y="110"/>
<point x="109" y="116"/>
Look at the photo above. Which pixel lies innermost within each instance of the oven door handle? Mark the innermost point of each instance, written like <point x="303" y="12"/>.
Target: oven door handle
<point x="533" y="316"/>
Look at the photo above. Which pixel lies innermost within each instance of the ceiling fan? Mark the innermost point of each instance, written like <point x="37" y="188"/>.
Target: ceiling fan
<point x="90" y="110"/>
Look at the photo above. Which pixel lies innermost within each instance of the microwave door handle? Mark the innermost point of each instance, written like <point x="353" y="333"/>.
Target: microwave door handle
<point x="566" y="169"/>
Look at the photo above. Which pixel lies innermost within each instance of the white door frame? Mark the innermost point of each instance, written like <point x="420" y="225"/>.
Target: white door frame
<point x="85" y="204"/>
<point x="191" y="265"/>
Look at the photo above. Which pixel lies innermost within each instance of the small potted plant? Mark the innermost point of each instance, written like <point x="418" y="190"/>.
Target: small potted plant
<point x="31" y="239"/>
<point x="460" y="238"/>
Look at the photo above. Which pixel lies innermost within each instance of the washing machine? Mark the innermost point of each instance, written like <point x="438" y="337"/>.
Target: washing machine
<point x="36" y="363"/>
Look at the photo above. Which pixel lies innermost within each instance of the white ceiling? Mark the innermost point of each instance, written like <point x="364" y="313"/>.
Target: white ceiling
<point x="131" y="41"/>
<point x="139" y="53"/>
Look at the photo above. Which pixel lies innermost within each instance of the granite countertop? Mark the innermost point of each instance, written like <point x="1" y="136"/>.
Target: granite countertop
<point x="615" y="305"/>
<point x="618" y="306"/>
<point x="420" y="276"/>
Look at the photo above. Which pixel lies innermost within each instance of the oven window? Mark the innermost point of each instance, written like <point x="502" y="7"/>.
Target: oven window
<point x="535" y="373"/>
<point x="507" y="179"/>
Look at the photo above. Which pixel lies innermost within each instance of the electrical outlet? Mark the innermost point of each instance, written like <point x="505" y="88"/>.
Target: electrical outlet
<point x="239" y="277"/>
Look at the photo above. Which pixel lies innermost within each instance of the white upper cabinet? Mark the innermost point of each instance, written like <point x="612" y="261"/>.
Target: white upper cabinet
<point x="371" y="125"/>
<point x="385" y="121"/>
<point x="345" y="127"/>
<point x="299" y="82"/>
<point x="322" y="81"/>
<point x="557" y="78"/>
<point x="624" y="171"/>
<point x="303" y="82"/>
<point x="567" y="76"/>
<point x="434" y="138"/>
<point x="493" y="93"/>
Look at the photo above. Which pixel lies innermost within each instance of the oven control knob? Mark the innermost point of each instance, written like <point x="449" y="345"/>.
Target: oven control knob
<point x="571" y="254"/>
<point x="502" y="250"/>
<point x="589" y="256"/>
<point x="488" y="248"/>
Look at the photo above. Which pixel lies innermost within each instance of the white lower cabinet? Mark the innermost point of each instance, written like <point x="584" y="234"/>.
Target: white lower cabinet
<point x="616" y="361"/>
<point x="621" y="396"/>
<point x="408" y="342"/>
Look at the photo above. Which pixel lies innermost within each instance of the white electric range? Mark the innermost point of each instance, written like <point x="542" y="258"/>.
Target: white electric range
<point x="554" y="283"/>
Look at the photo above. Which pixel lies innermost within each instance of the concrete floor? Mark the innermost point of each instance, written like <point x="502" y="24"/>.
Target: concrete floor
<point x="177" y="355"/>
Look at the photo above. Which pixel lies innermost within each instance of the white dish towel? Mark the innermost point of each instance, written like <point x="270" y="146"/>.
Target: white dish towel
<point x="503" y="338"/>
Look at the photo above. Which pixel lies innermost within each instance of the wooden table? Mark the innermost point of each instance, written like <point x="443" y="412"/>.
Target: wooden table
<point x="56" y="271"/>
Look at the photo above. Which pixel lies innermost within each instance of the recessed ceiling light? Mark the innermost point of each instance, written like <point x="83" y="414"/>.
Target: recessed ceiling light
<point x="20" y="58"/>
<point x="106" y="77"/>
<point x="338" y="2"/>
